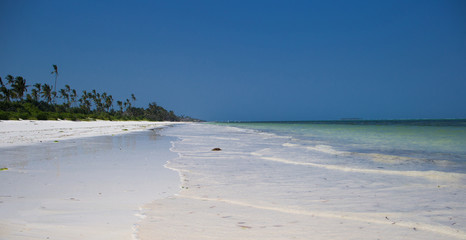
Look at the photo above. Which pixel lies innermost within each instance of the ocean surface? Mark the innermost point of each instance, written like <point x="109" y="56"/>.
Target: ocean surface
<point x="316" y="180"/>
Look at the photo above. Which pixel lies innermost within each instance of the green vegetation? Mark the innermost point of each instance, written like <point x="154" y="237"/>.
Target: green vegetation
<point x="45" y="102"/>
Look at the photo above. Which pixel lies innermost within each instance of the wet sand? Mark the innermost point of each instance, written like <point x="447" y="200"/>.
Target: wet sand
<point x="83" y="188"/>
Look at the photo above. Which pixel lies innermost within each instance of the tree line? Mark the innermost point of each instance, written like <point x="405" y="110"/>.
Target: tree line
<point x="46" y="102"/>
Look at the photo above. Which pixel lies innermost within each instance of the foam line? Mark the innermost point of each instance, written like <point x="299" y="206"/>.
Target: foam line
<point x="432" y="175"/>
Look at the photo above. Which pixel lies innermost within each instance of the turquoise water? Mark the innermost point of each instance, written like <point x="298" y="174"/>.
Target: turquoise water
<point x="401" y="145"/>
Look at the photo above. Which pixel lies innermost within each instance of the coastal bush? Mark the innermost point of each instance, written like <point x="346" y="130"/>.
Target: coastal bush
<point x="42" y="116"/>
<point x="23" y="115"/>
<point x="4" y="115"/>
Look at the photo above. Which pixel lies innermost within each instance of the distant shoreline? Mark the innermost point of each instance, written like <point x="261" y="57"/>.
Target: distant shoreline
<point x="422" y="122"/>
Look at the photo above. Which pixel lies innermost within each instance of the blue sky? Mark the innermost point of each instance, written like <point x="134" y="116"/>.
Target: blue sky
<point x="249" y="60"/>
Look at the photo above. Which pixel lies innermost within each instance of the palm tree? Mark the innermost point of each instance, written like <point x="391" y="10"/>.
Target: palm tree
<point x="35" y="94"/>
<point x="47" y="93"/>
<point x="108" y="102"/>
<point x="19" y="87"/>
<point x="73" y="96"/>
<point x="127" y="104"/>
<point x="6" y="93"/>
<point x="1" y="86"/>
<point x="65" y="96"/>
<point x="120" y="105"/>
<point x="55" y="72"/>
<point x="54" y="95"/>
<point x="10" y="79"/>
<point x="36" y="91"/>
<point x="84" y="100"/>
<point x="37" y="86"/>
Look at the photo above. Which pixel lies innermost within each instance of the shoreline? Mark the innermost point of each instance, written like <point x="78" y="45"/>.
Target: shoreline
<point x="83" y="187"/>
<point x="25" y="132"/>
<point x="237" y="193"/>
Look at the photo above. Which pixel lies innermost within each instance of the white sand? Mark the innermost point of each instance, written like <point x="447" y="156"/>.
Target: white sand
<point x="23" y="132"/>
<point x="63" y="184"/>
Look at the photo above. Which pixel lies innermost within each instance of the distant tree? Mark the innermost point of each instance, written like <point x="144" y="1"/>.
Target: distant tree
<point x="10" y="79"/>
<point x="65" y="96"/>
<point x="36" y="92"/>
<point x="85" y="104"/>
<point x="54" y="95"/>
<point x="35" y="95"/>
<point x="108" y="102"/>
<point x="127" y="104"/>
<point x="37" y="86"/>
<point x="55" y="72"/>
<point x="19" y="87"/>
<point x="172" y="117"/>
<point x="1" y="86"/>
<point x="47" y="93"/>
<point x="120" y="105"/>
<point x="73" y="96"/>
<point x="6" y="93"/>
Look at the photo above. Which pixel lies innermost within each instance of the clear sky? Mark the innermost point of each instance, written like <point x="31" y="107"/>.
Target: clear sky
<point x="249" y="60"/>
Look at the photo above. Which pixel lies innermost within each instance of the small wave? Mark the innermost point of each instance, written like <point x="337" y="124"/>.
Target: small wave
<point x="318" y="148"/>
<point x="375" y="157"/>
<point x="432" y="175"/>
<point x="390" y="159"/>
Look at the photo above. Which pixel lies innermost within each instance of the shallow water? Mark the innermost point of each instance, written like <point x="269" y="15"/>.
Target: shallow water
<point x="295" y="181"/>
<point x="401" y="145"/>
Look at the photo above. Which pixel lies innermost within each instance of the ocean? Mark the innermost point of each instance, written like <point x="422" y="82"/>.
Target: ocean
<point x="316" y="180"/>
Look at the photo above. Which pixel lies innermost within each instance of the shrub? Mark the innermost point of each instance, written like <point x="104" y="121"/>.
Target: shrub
<point x="23" y="115"/>
<point x="42" y="116"/>
<point x="4" y="115"/>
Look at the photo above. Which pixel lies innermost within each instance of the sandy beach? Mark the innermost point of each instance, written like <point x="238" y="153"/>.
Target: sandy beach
<point x="80" y="180"/>
<point x="26" y="132"/>
<point x="130" y="182"/>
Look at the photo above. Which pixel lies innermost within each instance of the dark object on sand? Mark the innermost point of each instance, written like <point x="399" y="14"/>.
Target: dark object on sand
<point x="216" y="149"/>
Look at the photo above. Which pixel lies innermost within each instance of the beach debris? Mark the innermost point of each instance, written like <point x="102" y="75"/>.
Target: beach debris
<point x="390" y="220"/>
<point x="124" y="129"/>
<point x="216" y="149"/>
<point x="244" y="227"/>
<point x="55" y="141"/>
<point x="3" y="169"/>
